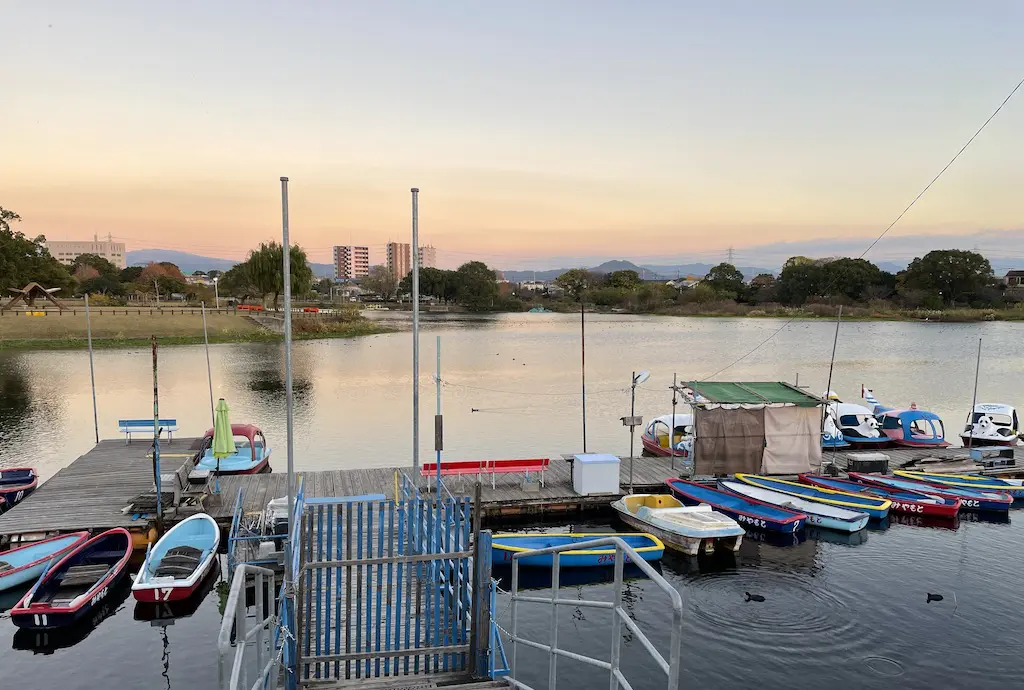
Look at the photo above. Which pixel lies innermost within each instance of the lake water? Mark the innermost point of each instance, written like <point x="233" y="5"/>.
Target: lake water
<point x="833" y="611"/>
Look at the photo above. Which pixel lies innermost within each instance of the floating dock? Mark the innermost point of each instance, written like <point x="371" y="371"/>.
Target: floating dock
<point x="92" y="492"/>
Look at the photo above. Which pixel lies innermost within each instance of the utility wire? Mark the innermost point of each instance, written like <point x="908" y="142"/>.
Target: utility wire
<point x="886" y="231"/>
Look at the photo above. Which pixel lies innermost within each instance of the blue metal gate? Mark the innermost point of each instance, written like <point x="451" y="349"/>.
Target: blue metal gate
<point x="385" y="587"/>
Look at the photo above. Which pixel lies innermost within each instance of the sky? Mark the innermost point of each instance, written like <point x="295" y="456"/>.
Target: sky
<point x="538" y="132"/>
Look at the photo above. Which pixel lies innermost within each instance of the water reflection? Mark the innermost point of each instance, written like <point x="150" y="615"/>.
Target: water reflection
<point x="15" y="399"/>
<point x="49" y="641"/>
<point x="166" y="612"/>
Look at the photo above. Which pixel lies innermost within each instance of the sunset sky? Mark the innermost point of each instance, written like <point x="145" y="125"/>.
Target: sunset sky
<point x="534" y="129"/>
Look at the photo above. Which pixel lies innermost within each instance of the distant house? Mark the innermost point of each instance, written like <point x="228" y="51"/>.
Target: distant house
<point x="684" y="283"/>
<point x="1014" y="279"/>
<point x="532" y="286"/>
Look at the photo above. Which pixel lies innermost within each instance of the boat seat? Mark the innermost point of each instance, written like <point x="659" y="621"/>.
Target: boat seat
<point x="185" y="551"/>
<point x="4" y="565"/>
<point x="78" y="575"/>
<point x="174" y="569"/>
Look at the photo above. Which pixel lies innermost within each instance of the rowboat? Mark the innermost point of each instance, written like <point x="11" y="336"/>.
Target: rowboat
<point x="252" y="455"/>
<point x="15" y="484"/>
<point x="911" y="502"/>
<point x="54" y="639"/>
<point x="77" y="584"/>
<point x="26" y="563"/>
<point x="877" y="508"/>
<point x="182" y="608"/>
<point x="687" y="529"/>
<point x="746" y="511"/>
<point x="818" y="514"/>
<point x="504" y="546"/>
<point x="176" y="565"/>
<point x="975" y="482"/>
<point x="970" y="499"/>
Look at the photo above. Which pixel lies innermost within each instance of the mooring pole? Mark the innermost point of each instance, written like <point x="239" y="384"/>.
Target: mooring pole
<point x="286" y="268"/>
<point x="438" y="420"/>
<point x="156" y="445"/>
<point x="583" y="369"/>
<point x="831" y="365"/>
<point x="672" y="431"/>
<point x="415" y="251"/>
<point x="632" y="427"/>
<point x="209" y="373"/>
<point x="974" y="399"/>
<point x="92" y="371"/>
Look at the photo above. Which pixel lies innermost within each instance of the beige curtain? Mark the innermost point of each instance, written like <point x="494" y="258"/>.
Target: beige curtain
<point x="728" y="441"/>
<point x="792" y="440"/>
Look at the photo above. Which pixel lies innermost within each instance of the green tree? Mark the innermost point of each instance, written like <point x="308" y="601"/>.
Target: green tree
<point x="624" y="280"/>
<point x="235" y="282"/>
<point x="727" y="280"/>
<point x="101" y="285"/>
<point x="380" y="281"/>
<point x="323" y="286"/>
<point x="576" y="282"/>
<point x="799" y="280"/>
<point x="102" y="266"/>
<point x="950" y="273"/>
<point x="478" y="287"/>
<point x="130" y="274"/>
<point x="850" y="278"/>
<point x="24" y="261"/>
<point x="266" y="270"/>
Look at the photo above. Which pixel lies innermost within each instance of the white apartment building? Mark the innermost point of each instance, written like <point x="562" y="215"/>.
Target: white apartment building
<point x="428" y="256"/>
<point x="66" y="251"/>
<point x="351" y="262"/>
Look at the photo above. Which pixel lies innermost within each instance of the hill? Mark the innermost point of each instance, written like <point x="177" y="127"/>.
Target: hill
<point x="646" y="271"/>
<point x="193" y="262"/>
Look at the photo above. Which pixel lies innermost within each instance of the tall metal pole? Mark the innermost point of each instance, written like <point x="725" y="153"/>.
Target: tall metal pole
<point x="92" y="371"/>
<point x="632" y="412"/>
<point x="672" y="431"/>
<point x="216" y="291"/>
<point x="583" y="370"/>
<point x="831" y="365"/>
<point x="209" y="373"/>
<point x="438" y="421"/>
<point x="415" y="331"/>
<point x="156" y="445"/>
<point x="286" y="267"/>
<point x="974" y="400"/>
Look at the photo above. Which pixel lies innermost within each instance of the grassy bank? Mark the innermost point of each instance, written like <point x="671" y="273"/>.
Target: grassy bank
<point x="68" y="331"/>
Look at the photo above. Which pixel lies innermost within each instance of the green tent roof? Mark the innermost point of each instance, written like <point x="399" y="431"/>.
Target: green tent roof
<point x="752" y="393"/>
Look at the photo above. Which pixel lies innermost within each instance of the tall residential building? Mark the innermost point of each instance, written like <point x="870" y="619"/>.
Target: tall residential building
<point x="399" y="259"/>
<point x="351" y="262"/>
<point x="428" y="256"/>
<point x="66" y="252"/>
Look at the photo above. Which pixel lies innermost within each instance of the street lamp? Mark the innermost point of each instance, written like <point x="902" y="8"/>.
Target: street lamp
<point x="633" y="421"/>
<point x="216" y="292"/>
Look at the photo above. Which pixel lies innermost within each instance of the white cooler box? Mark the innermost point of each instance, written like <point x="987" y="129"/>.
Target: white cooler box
<point x="595" y="473"/>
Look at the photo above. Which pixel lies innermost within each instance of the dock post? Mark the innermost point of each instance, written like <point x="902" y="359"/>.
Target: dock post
<point x="92" y="371"/>
<point x="480" y="624"/>
<point x="415" y="332"/>
<point x="156" y="444"/>
<point x="209" y="373"/>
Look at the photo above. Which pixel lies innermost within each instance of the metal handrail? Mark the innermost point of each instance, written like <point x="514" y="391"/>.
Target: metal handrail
<point x="264" y="581"/>
<point x="619" y="616"/>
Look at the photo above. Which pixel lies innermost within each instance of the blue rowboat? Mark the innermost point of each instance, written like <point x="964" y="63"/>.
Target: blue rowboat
<point x="749" y="513"/>
<point x="818" y="514"/>
<point x="992" y="501"/>
<point x="911" y="502"/>
<point x="25" y="564"/>
<point x="974" y="482"/>
<point x="874" y="506"/>
<point x="503" y="546"/>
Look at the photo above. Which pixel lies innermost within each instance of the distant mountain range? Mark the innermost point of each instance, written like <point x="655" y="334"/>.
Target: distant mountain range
<point x="189" y="263"/>
<point x="647" y="271"/>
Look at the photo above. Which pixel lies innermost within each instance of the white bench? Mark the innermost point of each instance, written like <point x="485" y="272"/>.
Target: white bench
<point x="143" y="426"/>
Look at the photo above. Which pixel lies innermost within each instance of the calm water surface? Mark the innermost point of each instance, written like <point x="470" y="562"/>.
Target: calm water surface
<point x="851" y="612"/>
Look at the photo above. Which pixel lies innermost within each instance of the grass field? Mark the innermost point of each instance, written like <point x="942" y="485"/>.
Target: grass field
<point x="59" y="331"/>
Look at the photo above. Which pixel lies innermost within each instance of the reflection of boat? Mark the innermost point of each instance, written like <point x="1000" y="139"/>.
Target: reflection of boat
<point x="688" y="529"/>
<point x="908" y="520"/>
<point x="25" y="564"/>
<point x="15" y="484"/>
<point x="830" y="536"/>
<point x="176" y="564"/>
<point x="975" y="482"/>
<point x="82" y="580"/>
<point x="912" y="427"/>
<point x="183" y="608"/>
<point x="818" y="514"/>
<point x="903" y="501"/>
<point x="876" y="507"/>
<point x="49" y="641"/>
<point x="656" y="434"/>
<point x="252" y="455"/>
<point x="746" y="511"/>
<point x="992" y="424"/>
<point x="504" y="546"/>
<point x="969" y="499"/>
<point x="540" y="578"/>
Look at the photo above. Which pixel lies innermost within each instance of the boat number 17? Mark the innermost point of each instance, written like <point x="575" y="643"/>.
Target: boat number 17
<point x="164" y="594"/>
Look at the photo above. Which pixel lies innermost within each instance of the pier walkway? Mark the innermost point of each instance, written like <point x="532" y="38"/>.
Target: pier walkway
<point x="92" y="492"/>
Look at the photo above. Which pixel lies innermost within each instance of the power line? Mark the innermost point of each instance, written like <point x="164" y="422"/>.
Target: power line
<point x="887" y="229"/>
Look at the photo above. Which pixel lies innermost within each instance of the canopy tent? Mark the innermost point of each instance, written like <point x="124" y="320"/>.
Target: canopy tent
<point x="757" y="427"/>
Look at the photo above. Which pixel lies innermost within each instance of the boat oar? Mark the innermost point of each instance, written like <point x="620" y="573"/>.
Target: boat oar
<point x="32" y="592"/>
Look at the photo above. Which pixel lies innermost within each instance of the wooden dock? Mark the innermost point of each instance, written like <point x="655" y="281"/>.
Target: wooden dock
<point x="92" y="491"/>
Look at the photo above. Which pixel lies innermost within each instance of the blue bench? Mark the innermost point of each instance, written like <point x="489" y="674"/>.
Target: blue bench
<point x="145" y="426"/>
